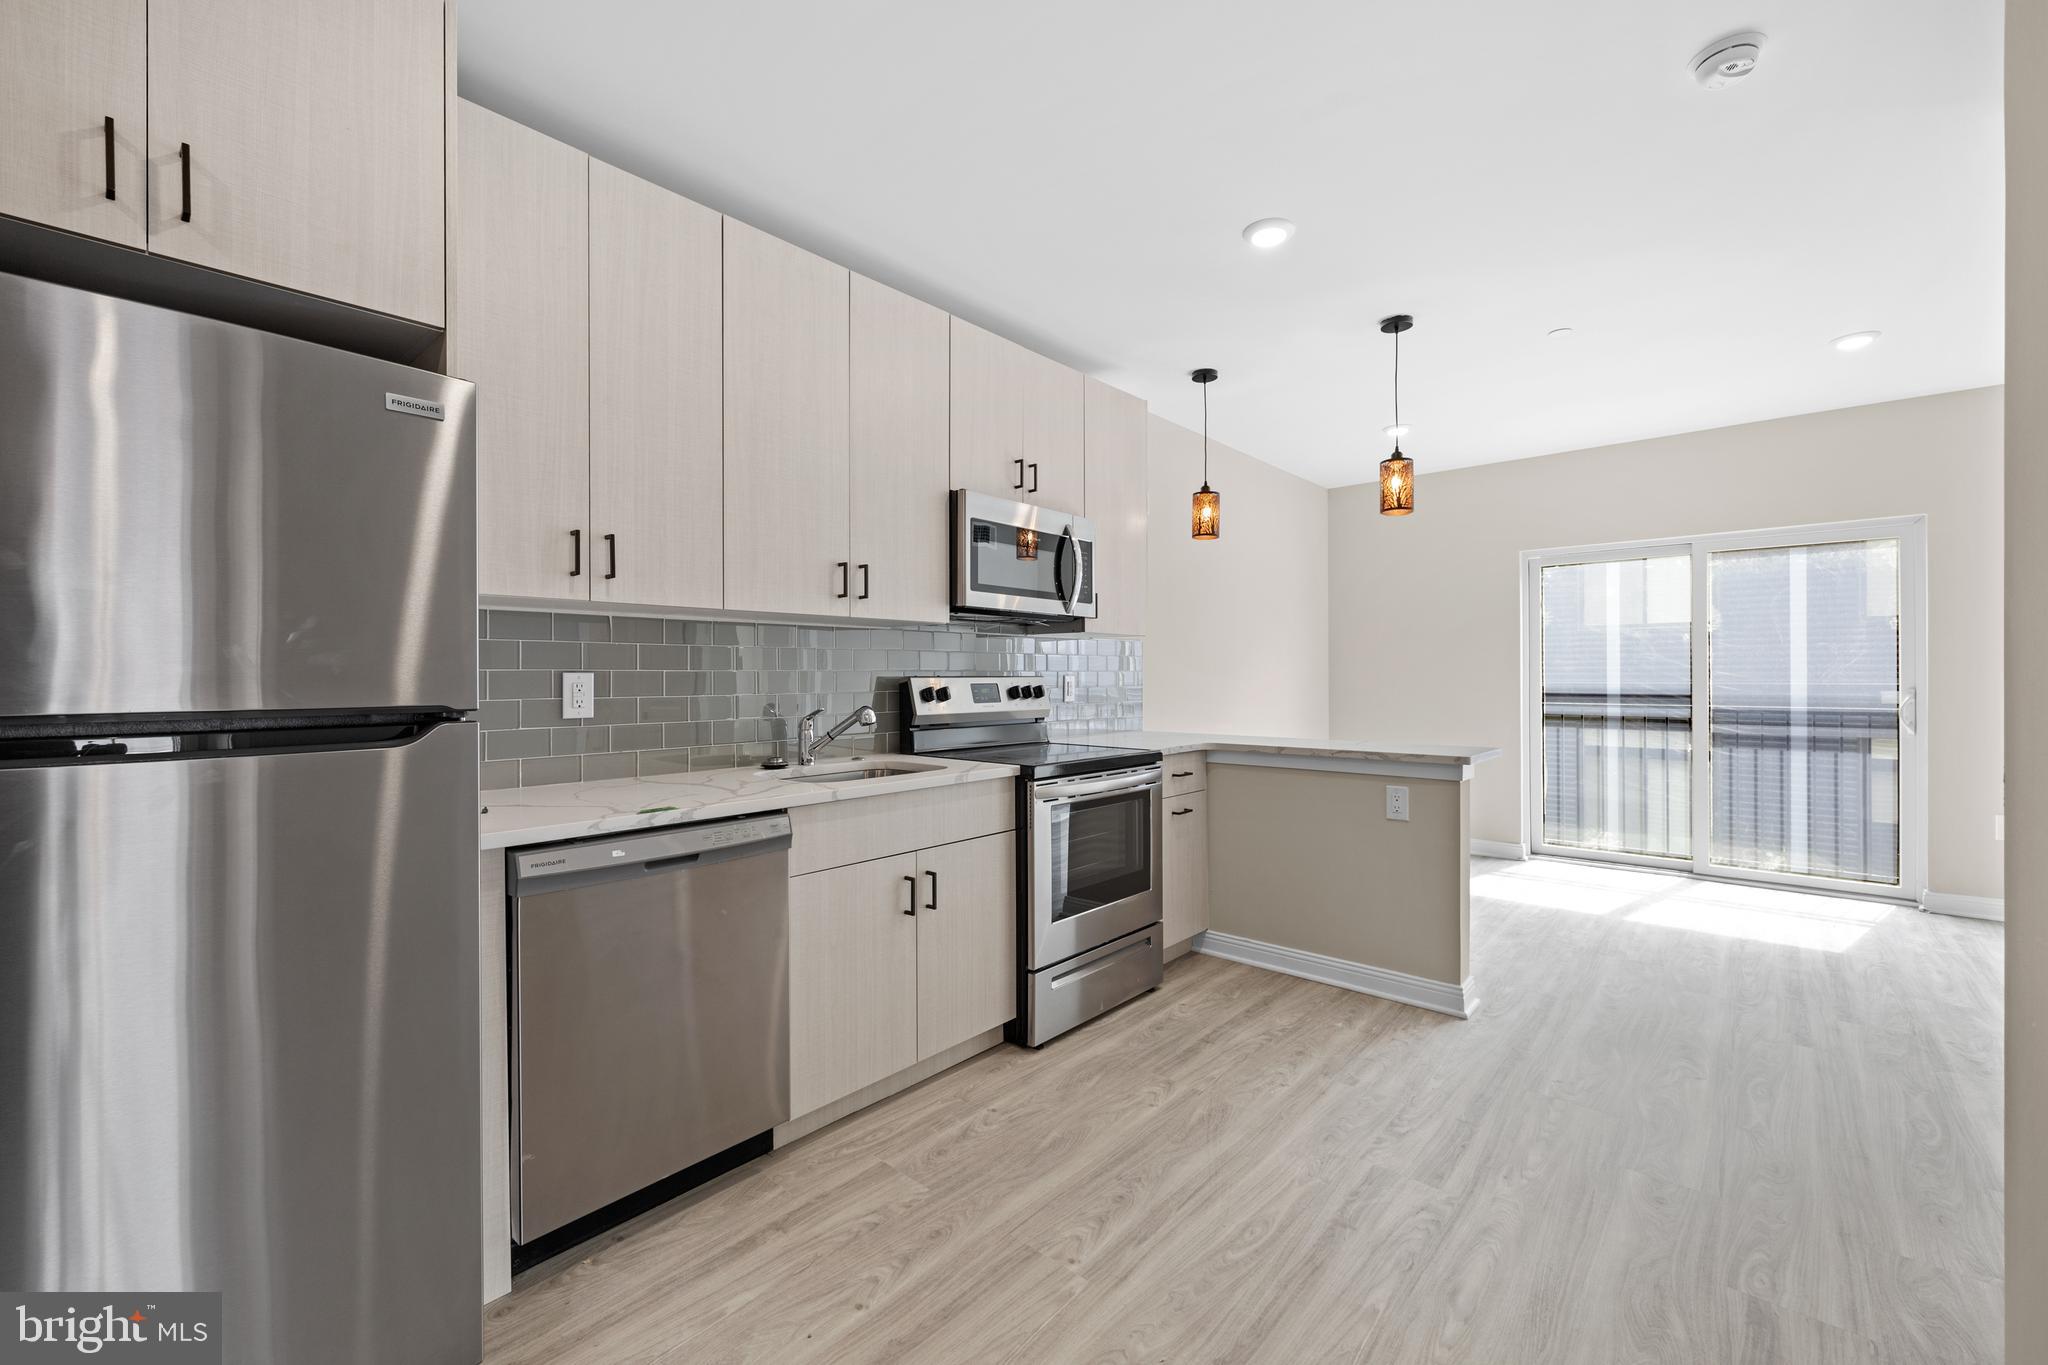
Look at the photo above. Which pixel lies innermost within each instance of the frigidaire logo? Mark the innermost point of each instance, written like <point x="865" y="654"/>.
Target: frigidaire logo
<point x="161" y="1327"/>
<point x="417" y="407"/>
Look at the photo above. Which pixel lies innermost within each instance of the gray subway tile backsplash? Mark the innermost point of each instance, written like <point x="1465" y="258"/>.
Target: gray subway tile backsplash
<point x="686" y="696"/>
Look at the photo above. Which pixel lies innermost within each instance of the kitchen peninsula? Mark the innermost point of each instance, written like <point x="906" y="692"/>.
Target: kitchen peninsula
<point x="1342" y="861"/>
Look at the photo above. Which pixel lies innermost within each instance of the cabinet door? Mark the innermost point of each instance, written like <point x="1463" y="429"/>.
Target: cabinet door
<point x="522" y="334"/>
<point x="988" y="412"/>
<point x="656" y="500"/>
<point x="900" y="459"/>
<point x="1053" y="474"/>
<point x="852" y="978"/>
<point x="785" y="428"/>
<point x="966" y="940"/>
<point x="1185" y="878"/>
<point x="316" y="134"/>
<point x="1115" y="449"/>
<point x="66" y="68"/>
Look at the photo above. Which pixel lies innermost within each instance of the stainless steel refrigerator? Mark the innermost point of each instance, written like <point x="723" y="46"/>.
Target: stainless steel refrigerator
<point x="238" y="960"/>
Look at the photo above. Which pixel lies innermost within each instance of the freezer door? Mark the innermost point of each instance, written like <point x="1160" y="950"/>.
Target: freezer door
<point x="200" y="517"/>
<point x="238" y="1043"/>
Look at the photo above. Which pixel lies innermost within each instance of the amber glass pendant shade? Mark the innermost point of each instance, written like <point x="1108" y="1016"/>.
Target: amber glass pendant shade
<point x="1027" y="543"/>
<point x="1397" y="485"/>
<point x="1208" y="514"/>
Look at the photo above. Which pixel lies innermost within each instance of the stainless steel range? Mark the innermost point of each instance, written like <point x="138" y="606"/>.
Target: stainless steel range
<point x="1088" y="827"/>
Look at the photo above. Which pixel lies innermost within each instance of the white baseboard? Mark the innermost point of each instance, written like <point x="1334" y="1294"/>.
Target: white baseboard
<point x="1970" y="907"/>
<point x="1492" y="848"/>
<point x="1441" y="996"/>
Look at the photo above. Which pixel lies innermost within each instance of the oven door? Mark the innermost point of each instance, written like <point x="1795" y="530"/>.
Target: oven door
<point x="1094" y="848"/>
<point x="1013" y="558"/>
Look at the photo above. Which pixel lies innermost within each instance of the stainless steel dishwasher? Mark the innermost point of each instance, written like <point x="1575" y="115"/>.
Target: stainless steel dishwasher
<point x="649" y="979"/>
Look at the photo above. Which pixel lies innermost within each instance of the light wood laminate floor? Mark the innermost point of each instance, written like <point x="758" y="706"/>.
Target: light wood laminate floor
<point x="1691" y="1123"/>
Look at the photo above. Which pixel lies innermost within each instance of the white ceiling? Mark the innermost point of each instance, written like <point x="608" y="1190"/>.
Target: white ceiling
<point x="1074" y="173"/>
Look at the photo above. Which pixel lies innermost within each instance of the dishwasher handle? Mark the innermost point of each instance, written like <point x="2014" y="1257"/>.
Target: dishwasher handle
<point x="588" y="862"/>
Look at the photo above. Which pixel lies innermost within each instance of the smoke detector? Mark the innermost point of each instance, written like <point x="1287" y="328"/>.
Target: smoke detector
<point x="1728" y="60"/>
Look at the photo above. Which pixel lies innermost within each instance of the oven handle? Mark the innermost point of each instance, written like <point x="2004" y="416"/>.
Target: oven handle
<point x="1119" y="785"/>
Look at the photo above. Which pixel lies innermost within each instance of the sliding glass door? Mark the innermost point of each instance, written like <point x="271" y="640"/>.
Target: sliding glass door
<point x="1740" y="706"/>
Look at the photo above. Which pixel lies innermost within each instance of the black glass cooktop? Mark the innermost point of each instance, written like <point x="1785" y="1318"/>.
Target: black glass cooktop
<point x="1059" y="760"/>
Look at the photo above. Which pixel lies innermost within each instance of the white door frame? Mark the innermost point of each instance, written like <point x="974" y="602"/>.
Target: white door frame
<point x="1910" y="532"/>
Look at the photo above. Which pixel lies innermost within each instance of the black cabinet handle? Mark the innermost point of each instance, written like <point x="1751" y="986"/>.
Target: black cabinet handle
<point x="1020" y="471"/>
<point x="845" y="578"/>
<point x="185" y="179"/>
<point x="611" y="549"/>
<point x="1034" y="478"/>
<point x="863" y="582"/>
<point x="1188" y="811"/>
<point x="933" y="903"/>
<point x="576" y="549"/>
<point x="1189" y="773"/>
<point x="912" y="909"/>
<point x="110" y="156"/>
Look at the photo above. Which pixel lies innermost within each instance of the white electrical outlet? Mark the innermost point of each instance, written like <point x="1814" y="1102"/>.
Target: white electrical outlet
<point x="1070" y="686"/>
<point x="1397" y="803"/>
<point x="579" y="696"/>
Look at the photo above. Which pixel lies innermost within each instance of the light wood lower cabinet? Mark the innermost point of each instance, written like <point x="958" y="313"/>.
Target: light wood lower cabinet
<point x="897" y="959"/>
<point x="966" y="941"/>
<point x="74" y="84"/>
<point x="852" y="978"/>
<point x="1185" y="878"/>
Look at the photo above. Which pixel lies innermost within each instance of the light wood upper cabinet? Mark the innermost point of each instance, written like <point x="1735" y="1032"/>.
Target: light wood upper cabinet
<point x="900" y="460"/>
<point x="1115" y="438"/>
<point x="785" y="428"/>
<point x="988" y="412"/>
<point x="521" y="333"/>
<point x="656" y="433"/>
<point x="853" y="990"/>
<point x="66" y="68"/>
<point x="1184" y="880"/>
<point x="966" y="941"/>
<point x="1016" y="422"/>
<point x="315" y="135"/>
<point x="1053" y="465"/>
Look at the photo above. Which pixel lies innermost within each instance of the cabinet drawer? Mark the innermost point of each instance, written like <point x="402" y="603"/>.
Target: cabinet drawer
<point x="1186" y="773"/>
<point x="867" y="827"/>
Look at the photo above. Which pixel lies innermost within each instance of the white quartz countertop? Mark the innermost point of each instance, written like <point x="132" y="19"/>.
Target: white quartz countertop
<point x="569" y="810"/>
<point x="1181" y="742"/>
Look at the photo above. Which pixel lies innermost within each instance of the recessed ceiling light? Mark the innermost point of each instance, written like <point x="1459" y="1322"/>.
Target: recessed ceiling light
<point x="1268" y="233"/>
<point x="1558" y="333"/>
<point x="1856" y="341"/>
<point x="1397" y="431"/>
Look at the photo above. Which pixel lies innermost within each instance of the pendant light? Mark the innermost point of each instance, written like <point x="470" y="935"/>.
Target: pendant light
<point x="1397" y="471"/>
<point x="1208" y="515"/>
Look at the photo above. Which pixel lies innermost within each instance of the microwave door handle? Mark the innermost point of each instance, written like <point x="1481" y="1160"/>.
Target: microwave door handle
<point x="1059" y="560"/>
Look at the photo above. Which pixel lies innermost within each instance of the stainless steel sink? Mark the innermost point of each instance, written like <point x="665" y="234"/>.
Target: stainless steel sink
<point x="867" y="772"/>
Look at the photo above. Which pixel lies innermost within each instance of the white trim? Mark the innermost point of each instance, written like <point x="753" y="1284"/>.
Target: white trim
<point x="1494" y="848"/>
<point x="1332" y="763"/>
<point x="1440" y="996"/>
<point x="1969" y="907"/>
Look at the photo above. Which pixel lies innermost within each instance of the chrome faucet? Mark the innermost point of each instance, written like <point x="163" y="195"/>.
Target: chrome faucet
<point x="808" y="741"/>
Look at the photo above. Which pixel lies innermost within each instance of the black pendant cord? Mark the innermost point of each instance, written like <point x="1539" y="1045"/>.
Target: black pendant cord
<point x="1397" y="390"/>
<point x="1205" y="435"/>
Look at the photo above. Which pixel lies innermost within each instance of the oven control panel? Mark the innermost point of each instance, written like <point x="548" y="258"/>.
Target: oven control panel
<point x="973" y="700"/>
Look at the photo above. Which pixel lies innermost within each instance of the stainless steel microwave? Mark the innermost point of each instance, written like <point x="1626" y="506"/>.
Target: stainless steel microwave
<point x="1015" y="559"/>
